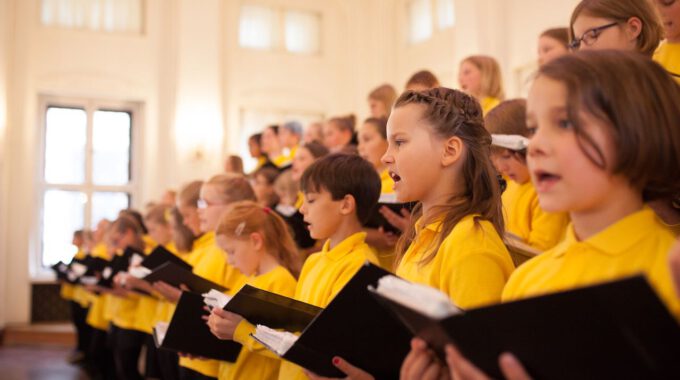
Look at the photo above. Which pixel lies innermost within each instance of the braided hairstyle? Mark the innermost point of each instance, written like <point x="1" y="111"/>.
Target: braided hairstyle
<point x="453" y="113"/>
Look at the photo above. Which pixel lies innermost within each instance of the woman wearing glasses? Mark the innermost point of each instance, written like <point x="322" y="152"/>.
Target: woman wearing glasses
<point x="615" y="24"/>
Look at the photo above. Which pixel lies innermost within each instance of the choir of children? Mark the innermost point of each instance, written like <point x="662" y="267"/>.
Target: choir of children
<point x="591" y="161"/>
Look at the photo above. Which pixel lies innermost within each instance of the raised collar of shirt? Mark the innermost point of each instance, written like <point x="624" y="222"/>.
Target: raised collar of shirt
<point x="344" y="247"/>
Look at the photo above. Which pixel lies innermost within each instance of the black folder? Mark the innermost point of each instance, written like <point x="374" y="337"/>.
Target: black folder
<point x="160" y="255"/>
<point x="188" y="333"/>
<point x="118" y="263"/>
<point x="614" y="330"/>
<point x="355" y="327"/>
<point x="377" y="220"/>
<point x="61" y="270"/>
<point x="174" y="275"/>
<point x="273" y="310"/>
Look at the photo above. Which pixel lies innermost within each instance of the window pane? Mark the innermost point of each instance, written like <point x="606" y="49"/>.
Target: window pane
<point x="106" y="205"/>
<point x="446" y="16"/>
<point x="420" y="20"/>
<point x="107" y="15"/>
<point x="62" y="215"/>
<point x="65" y="138"/>
<point x="302" y="32"/>
<point x="111" y="148"/>
<point x="258" y="27"/>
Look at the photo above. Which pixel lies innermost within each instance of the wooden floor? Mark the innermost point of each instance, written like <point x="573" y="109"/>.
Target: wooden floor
<point x="38" y="352"/>
<point x="37" y="363"/>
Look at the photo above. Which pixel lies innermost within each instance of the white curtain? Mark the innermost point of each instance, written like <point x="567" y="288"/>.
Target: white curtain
<point x="100" y="15"/>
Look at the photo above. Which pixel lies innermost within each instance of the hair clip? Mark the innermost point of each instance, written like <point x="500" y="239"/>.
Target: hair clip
<point x="266" y="210"/>
<point x="239" y="229"/>
<point x="512" y="142"/>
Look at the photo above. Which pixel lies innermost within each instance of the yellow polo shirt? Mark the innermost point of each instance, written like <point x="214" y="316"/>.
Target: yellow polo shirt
<point x="323" y="275"/>
<point x="472" y="264"/>
<point x="488" y="103"/>
<point x="668" y="56"/>
<point x="254" y="361"/>
<point x="638" y="243"/>
<point x="525" y="218"/>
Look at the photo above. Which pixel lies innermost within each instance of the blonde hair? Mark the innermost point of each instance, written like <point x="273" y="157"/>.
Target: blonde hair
<point x="386" y="94"/>
<point x="246" y="217"/>
<point x="232" y="187"/>
<point x="286" y="185"/>
<point x="491" y="79"/>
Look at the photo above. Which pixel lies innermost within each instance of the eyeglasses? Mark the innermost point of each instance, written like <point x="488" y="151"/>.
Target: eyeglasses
<point x="590" y="36"/>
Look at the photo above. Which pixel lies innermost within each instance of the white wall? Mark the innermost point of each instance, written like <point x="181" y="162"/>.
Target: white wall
<point x="5" y="27"/>
<point x="193" y="82"/>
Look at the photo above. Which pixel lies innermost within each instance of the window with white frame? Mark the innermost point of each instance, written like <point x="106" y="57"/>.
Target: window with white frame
<point x="87" y="171"/>
<point x="426" y="15"/>
<point x="267" y="28"/>
<point x="96" y="15"/>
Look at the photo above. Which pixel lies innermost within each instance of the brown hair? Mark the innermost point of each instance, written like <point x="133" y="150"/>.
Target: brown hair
<point x="380" y="124"/>
<point x="558" y="34"/>
<point x="181" y="234"/>
<point x="137" y="216"/>
<point x="491" y="78"/>
<point x="344" y="174"/>
<point x="621" y="11"/>
<point x="344" y="123"/>
<point x="232" y="187"/>
<point x="126" y="223"/>
<point x="386" y="94"/>
<point x="423" y="78"/>
<point x="454" y="113"/>
<point x="247" y="217"/>
<point x="643" y="124"/>
<point x="317" y="149"/>
<point x="189" y="194"/>
<point x="508" y="118"/>
<point x="270" y="175"/>
<point x="236" y="163"/>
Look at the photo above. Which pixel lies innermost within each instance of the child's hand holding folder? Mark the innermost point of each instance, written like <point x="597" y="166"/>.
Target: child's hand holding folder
<point x="223" y="323"/>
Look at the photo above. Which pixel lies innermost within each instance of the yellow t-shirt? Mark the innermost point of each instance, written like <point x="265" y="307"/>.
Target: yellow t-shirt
<point x="148" y="308"/>
<point x="99" y="314"/>
<point x="638" y="243"/>
<point x="67" y="290"/>
<point x="488" y="103"/>
<point x="254" y="362"/>
<point x="281" y="161"/>
<point x="323" y="275"/>
<point x="124" y="310"/>
<point x="668" y="56"/>
<point x="525" y="218"/>
<point x="211" y="264"/>
<point x="472" y="264"/>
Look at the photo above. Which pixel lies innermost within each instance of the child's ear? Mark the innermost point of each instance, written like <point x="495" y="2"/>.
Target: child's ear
<point x="257" y="240"/>
<point x="349" y="205"/>
<point x="633" y="28"/>
<point x="453" y="151"/>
